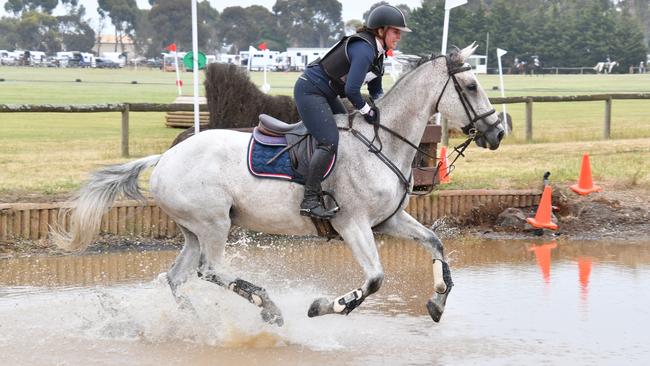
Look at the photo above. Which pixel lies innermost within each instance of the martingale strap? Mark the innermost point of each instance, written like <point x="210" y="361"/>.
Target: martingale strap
<point x="406" y="182"/>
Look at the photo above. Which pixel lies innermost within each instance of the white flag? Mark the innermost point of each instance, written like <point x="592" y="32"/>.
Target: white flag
<point x="450" y="4"/>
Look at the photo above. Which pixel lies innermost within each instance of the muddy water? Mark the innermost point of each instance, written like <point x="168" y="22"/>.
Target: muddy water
<point x="513" y="303"/>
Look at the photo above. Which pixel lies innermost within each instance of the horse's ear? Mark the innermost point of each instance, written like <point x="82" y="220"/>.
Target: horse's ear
<point x="455" y="56"/>
<point x="466" y="52"/>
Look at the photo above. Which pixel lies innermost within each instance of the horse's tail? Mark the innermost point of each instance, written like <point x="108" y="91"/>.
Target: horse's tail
<point x="94" y="199"/>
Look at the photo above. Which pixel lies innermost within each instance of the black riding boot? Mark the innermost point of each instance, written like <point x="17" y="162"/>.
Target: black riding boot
<point x="312" y="203"/>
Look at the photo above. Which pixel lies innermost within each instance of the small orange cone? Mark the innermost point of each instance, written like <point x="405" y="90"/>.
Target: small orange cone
<point x="543" y="215"/>
<point x="585" y="184"/>
<point x="443" y="170"/>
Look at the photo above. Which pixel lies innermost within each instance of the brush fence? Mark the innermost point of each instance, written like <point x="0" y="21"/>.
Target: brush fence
<point x="33" y="221"/>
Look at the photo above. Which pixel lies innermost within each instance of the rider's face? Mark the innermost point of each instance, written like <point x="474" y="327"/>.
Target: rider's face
<point x="393" y="36"/>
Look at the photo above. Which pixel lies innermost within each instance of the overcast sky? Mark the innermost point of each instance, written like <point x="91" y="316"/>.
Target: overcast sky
<point x="352" y="9"/>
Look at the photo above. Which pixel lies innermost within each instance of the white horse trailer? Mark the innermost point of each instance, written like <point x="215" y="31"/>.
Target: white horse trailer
<point x="297" y="59"/>
<point x="259" y="59"/>
<point x="478" y="63"/>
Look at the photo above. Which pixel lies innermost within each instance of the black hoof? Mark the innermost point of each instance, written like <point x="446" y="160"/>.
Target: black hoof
<point x="435" y="310"/>
<point x="319" y="307"/>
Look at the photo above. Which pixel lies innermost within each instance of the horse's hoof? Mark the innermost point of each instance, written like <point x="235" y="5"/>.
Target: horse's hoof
<point x="319" y="307"/>
<point x="436" y="308"/>
<point x="272" y="315"/>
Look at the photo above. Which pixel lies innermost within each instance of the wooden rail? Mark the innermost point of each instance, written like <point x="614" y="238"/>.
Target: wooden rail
<point x="33" y="221"/>
<point x="126" y="108"/>
<point x="529" y="100"/>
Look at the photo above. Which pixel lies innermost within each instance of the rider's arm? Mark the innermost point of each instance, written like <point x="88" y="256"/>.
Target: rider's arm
<point x="375" y="89"/>
<point x="361" y="55"/>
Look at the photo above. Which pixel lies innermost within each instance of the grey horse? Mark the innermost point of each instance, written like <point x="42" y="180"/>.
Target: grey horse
<point x="204" y="185"/>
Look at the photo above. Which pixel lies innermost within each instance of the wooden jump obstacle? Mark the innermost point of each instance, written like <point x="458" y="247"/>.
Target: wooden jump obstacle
<point x="32" y="221"/>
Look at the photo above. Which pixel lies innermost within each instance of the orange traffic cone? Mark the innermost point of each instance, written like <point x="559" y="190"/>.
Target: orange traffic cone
<point x="585" y="184"/>
<point x="443" y="169"/>
<point x="543" y="215"/>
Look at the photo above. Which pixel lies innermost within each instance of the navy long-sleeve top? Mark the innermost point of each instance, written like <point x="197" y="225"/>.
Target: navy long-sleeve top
<point x="361" y="56"/>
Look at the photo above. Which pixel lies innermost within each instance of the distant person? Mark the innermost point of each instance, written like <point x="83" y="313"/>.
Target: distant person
<point x="641" y="67"/>
<point x="27" y="57"/>
<point x="352" y="62"/>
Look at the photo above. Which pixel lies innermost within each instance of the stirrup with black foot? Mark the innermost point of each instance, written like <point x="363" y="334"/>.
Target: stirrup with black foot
<point x="313" y="207"/>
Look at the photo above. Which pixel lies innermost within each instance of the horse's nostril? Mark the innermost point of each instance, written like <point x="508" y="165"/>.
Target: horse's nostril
<point x="500" y="135"/>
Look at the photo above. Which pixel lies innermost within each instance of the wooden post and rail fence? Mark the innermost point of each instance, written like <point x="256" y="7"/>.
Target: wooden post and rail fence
<point x="32" y="221"/>
<point x="126" y="108"/>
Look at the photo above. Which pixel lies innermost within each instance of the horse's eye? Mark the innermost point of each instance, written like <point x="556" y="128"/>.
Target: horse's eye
<point x="472" y="87"/>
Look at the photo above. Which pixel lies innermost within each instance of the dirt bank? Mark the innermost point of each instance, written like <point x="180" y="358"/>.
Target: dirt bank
<point x="615" y="213"/>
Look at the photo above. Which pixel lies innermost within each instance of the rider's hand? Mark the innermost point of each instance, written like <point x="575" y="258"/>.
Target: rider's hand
<point x="372" y="116"/>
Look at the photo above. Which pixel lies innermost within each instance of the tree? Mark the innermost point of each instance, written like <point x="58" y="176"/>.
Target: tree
<point x="123" y="14"/>
<point x="37" y="31"/>
<point x="352" y="25"/>
<point x="426" y="24"/>
<point x="310" y="23"/>
<point x="172" y="22"/>
<point x="75" y="33"/>
<point x="44" y="6"/>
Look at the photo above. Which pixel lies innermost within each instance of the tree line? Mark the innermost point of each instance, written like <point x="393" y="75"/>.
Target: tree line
<point x="561" y="33"/>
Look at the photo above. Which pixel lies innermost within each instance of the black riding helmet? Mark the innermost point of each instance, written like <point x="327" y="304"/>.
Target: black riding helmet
<point x="387" y="16"/>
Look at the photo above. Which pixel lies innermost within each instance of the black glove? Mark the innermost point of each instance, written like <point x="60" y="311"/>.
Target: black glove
<point x="372" y="116"/>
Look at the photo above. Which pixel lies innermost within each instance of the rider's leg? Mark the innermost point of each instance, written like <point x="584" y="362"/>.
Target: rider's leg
<point x="315" y="109"/>
<point x="311" y="204"/>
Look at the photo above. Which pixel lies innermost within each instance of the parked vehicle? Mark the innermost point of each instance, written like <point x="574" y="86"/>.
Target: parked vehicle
<point x="155" y="63"/>
<point x="104" y="63"/>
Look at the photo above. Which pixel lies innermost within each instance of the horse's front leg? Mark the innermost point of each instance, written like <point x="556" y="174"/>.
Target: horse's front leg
<point x="358" y="236"/>
<point x="402" y="225"/>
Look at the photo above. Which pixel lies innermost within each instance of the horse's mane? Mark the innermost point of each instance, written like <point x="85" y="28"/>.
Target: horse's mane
<point x="414" y="65"/>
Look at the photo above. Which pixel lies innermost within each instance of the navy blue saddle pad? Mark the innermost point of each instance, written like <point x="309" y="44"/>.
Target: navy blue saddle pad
<point x="262" y="148"/>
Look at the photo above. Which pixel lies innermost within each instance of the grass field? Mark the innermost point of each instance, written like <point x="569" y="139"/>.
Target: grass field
<point x="52" y="153"/>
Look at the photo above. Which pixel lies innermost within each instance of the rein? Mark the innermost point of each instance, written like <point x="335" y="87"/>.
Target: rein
<point x="469" y="130"/>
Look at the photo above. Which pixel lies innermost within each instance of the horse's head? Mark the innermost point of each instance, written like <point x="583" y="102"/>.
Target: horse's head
<point x="463" y="100"/>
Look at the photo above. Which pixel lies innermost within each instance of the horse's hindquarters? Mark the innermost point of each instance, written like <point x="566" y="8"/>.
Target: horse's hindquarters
<point x="206" y="178"/>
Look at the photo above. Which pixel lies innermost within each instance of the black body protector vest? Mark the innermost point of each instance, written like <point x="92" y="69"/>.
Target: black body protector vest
<point x="336" y="62"/>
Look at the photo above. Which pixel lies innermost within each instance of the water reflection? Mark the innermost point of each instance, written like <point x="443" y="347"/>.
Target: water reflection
<point x="514" y="302"/>
<point x="543" y="257"/>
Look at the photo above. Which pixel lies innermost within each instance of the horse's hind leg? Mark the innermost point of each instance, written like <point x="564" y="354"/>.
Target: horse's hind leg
<point x="402" y="225"/>
<point x="359" y="237"/>
<point x="184" y="266"/>
<point x="254" y="294"/>
<point x="213" y="241"/>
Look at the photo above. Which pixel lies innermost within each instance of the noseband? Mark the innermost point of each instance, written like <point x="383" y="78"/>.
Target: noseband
<point x="470" y="129"/>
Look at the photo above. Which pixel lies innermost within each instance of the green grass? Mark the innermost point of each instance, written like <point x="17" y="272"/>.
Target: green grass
<point x="52" y="153"/>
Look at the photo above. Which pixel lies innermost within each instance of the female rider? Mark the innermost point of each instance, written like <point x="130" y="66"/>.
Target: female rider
<point x="353" y="61"/>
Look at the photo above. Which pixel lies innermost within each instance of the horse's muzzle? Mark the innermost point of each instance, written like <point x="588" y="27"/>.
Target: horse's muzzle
<point x="491" y="138"/>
